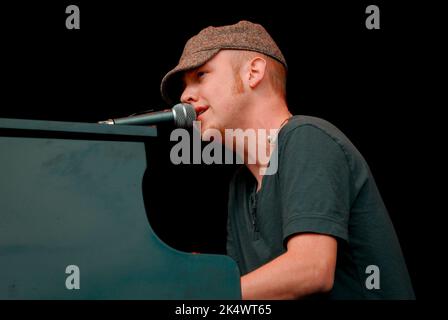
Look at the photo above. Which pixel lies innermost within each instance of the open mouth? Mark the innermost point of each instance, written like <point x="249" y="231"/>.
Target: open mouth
<point x="200" y="110"/>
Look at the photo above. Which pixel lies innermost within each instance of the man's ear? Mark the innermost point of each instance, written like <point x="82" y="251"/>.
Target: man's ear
<point x="257" y="70"/>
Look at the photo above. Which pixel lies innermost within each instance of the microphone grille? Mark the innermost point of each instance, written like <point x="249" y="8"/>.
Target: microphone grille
<point x="184" y="115"/>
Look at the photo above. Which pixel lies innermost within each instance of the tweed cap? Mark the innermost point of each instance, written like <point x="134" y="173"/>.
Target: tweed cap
<point x="199" y="49"/>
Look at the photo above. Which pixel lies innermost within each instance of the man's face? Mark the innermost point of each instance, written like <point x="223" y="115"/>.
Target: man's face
<point x="216" y="91"/>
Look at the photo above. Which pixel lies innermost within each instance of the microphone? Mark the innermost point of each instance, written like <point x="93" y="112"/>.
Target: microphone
<point x="181" y="114"/>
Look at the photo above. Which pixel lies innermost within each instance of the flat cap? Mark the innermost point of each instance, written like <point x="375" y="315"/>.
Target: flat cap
<point x="199" y="49"/>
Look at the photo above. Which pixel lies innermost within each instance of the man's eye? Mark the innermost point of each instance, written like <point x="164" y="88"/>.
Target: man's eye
<point x="200" y="74"/>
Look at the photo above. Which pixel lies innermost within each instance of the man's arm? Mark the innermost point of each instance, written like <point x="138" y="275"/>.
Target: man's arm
<point x="306" y="267"/>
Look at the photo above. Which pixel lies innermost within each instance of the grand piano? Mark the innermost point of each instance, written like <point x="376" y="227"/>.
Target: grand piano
<point x="73" y="223"/>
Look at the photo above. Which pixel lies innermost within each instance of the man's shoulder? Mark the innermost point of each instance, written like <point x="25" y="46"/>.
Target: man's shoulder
<point x="302" y="125"/>
<point x="307" y="132"/>
<point x="304" y="122"/>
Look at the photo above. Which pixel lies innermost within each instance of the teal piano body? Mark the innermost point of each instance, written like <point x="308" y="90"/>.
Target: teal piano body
<point x="73" y="224"/>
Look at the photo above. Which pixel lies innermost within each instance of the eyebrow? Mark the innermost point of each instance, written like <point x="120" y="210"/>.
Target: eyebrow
<point x="192" y="71"/>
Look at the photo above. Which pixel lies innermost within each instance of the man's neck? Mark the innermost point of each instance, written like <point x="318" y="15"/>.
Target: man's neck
<point x="266" y="122"/>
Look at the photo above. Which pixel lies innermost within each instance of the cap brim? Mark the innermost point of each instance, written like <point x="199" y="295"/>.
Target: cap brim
<point x="171" y="84"/>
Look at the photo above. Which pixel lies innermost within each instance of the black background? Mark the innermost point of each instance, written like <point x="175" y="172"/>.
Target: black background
<point x="358" y="79"/>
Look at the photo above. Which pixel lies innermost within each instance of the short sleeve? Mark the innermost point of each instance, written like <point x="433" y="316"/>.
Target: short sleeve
<point x="315" y="183"/>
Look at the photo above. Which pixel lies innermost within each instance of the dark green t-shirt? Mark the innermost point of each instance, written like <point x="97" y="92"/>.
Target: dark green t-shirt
<point x="322" y="185"/>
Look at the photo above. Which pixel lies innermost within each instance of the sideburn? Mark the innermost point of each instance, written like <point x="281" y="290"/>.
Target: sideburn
<point x="238" y="87"/>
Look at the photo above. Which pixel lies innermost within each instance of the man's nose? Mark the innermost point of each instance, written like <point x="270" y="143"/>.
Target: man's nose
<point x="189" y="95"/>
